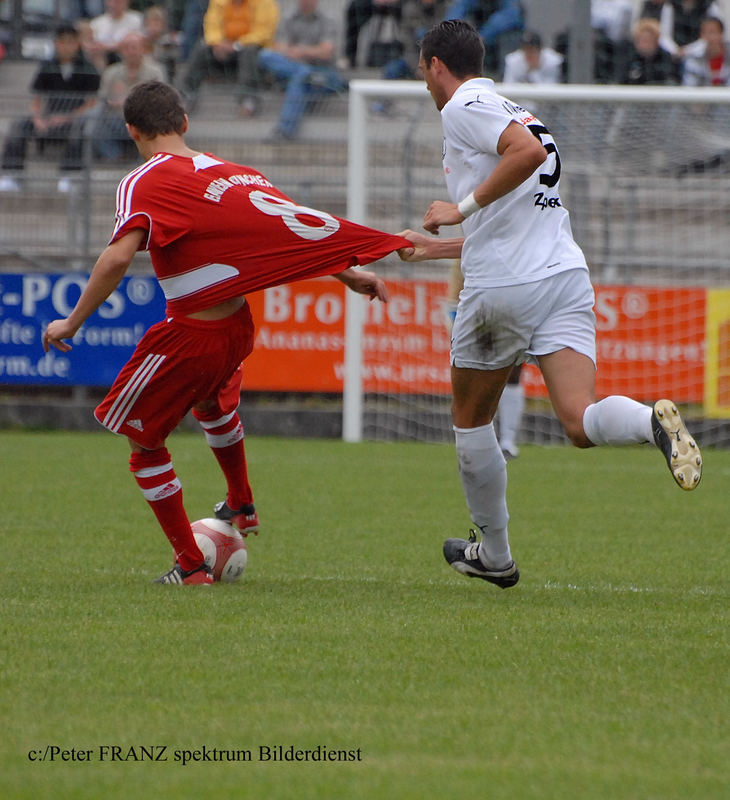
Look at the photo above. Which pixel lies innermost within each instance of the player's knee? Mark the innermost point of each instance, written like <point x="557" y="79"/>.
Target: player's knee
<point x="577" y="435"/>
<point x="471" y="418"/>
<point x="141" y="459"/>
<point x="207" y="410"/>
<point x="467" y="413"/>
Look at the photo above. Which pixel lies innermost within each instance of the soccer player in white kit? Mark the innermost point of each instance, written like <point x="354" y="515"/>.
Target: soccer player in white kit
<point x="527" y="295"/>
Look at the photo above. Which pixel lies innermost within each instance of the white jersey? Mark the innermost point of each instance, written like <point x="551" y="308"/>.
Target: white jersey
<point x="524" y="236"/>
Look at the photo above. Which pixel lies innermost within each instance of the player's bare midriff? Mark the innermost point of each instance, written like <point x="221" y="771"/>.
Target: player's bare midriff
<point x="220" y="311"/>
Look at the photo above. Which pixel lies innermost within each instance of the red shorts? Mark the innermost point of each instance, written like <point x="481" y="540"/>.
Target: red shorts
<point x="178" y="364"/>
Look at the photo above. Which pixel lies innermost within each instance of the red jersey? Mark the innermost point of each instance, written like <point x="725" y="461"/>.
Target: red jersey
<point x="216" y="230"/>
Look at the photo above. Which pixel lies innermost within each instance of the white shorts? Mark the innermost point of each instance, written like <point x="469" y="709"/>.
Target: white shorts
<point x="506" y="325"/>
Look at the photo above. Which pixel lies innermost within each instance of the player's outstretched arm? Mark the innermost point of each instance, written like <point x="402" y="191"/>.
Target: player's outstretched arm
<point x="364" y="282"/>
<point x="104" y="279"/>
<point x="427" y="248"/>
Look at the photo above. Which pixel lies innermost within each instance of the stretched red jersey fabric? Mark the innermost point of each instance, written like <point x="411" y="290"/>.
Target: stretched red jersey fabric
<point x="217" y="230"/>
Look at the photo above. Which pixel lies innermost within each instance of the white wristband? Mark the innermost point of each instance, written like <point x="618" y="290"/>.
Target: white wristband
<point x="468" y="206"/>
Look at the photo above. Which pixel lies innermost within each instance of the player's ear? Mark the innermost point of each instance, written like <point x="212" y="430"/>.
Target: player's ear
<point x="436" y="66"/>
<point x="133" y="132"/>
<point x="185" y="124"/>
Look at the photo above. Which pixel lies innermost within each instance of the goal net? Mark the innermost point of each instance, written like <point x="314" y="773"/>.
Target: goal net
<point x="646" y="178"/>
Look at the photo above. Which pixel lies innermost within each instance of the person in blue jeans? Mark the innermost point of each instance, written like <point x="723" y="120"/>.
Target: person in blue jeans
<point x="498" y="22"/>
<point x="303" y="56"/>
<point x="417" y="17"/>
<point x="496" y="16"/>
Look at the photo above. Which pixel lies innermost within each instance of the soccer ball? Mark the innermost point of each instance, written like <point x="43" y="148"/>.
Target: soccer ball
<point x="223" y="547"/>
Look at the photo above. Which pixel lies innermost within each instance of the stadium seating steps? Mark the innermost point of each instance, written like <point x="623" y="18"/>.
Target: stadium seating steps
<point x="311" y="168"/>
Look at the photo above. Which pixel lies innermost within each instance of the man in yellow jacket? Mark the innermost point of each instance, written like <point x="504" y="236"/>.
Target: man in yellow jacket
<point x="233" y="33"/>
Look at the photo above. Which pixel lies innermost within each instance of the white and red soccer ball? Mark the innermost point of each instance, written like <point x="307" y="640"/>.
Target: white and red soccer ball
<point x="223" y="547"/>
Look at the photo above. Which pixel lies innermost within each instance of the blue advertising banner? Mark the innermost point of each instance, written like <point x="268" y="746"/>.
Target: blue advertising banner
<point x="101" y="346"/>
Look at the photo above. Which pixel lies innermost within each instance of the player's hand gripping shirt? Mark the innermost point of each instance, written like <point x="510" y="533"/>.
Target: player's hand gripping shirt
<point x="525" y="235"/>
<point x="216" y="230"/>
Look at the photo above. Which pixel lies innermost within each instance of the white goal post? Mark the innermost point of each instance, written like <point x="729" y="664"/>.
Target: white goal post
<point x="646" y="181"/>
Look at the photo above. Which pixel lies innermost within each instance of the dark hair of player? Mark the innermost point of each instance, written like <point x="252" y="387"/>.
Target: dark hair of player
<point x="155" y="109"/>
<point x="458" y="45"/>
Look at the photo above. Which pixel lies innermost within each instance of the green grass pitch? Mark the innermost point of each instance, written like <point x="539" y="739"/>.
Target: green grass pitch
<point x="603" y="674"/>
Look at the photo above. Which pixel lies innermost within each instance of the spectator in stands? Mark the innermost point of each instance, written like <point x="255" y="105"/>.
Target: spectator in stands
<point x="109" y="29"/>
<point x="499" y="23"/>
<point x="111" y="140"/>
<point x="533" y="63"/>
<point x="64" y="90"/>
<point x="681" y="21"/>
<point x="613" y="18"/>
<point x="358" y="14"/>
<point x="86" y="39"/>
<point x="234" y="32"/>
<point x="161" y="42"/>
<point x="611" y="26"/>
<point x="303" y="56"/>
<point x="175" y="11"/>
<point x="191" y="26"/>
<point x="648" y="63"/>
<point x="494" y="17"/>
<point x="707" y="62"/>
<point x="417" y="17"/>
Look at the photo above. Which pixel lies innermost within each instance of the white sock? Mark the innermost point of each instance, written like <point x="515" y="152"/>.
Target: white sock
<point x="618" y="420"/>
<point x="483" y="472"/>
<point x="511" y="406"/>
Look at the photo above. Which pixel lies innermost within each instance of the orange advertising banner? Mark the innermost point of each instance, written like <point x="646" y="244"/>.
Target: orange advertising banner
<point x="650" y="341"/>
<point x="300" y="339"/>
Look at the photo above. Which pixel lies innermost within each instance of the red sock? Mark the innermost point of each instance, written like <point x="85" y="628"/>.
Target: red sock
<point x="225" y="436"/>
<point x="155" y="476"/>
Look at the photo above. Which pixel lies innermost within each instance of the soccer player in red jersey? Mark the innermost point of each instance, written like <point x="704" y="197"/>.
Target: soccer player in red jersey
<point x="215" y="230"/>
